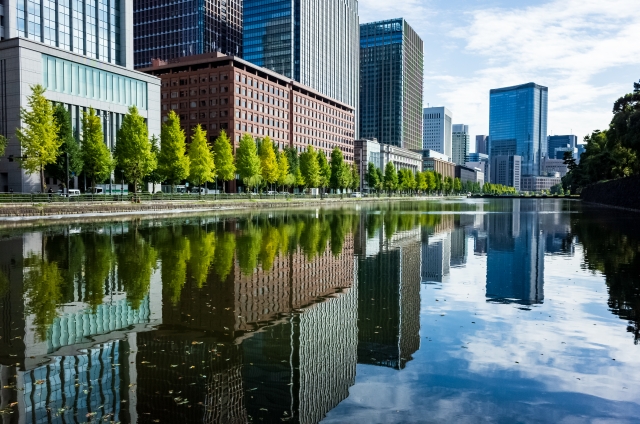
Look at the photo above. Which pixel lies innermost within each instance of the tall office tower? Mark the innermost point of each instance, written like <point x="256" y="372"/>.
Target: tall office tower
<point x="506" y="170"/>
<point x="312" y="42"/>
<point x="558" y="144"/>
<point x="96" y="29"/>
<point x="391" y="83"/>
<point x="460" y="143"/>
<point x="437" y="130"/>
<point x="81" y="52"/>
<point x="518" y="124"/>
<point x="481" y="144"/>
<point x="169" y="29"/>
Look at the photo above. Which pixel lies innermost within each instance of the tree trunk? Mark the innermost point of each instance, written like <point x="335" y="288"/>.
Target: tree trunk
<point x="42" y="185"/>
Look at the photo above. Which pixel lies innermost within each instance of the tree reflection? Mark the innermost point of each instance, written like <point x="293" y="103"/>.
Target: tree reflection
<point x="42" y="282"/>
<point x="223" y="254"/>
<point x="175" y="252"/>
<point x="203" y="248"/>
<point x="98" y="264"/>
<point x="136" y="260"/>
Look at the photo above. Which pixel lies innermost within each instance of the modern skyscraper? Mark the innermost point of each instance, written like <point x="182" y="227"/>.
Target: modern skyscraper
<point x="437" y="130"/>
<point x="460" y="143"/>
<point x="558" y="144"/>
<point x="518" y="124"/>
<point x="391" y="83"/>
<point x="506" y="170"/>
<point x="81" y="52"/>
<point x="92" y="28"/>
<point x="481" y="144"/>
<point x="168" y="30"/>
<point x="312" y="42"/>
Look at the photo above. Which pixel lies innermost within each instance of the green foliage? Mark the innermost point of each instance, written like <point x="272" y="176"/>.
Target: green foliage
<point x="390" y="177"/>
<point x="355" y="178"/>
<point x="268" y="161"/>
<point x="373" y="179"/>
<point x="557" y="189"/>
<point x="203" y="247"/>
<point x="136" y="260"/>
<point x="325" y="170"/>
<point x="430" y="176"/>
<point x="39" y="135"/>
<point x="421" y="182"/>
<point x="154" y="177"/>
<point x="337" y="169"/>
<point x="249" y="243"/>
<point x="457" y="185"/>
<point x="69" y="145"/>
<point x="345" y="176"/>
<point x="98" y="163"/>
<point x="42" y="283"/>
<point x="283" y="169"/>
<point x="223" y="157"/>
<point x="310" y="167"/>
<point x="3" y="145"/>
<point x="133" y="152"/>
<point x="173" y="164"/>
<point x="202" y="165"/>
<point x="223" y="254"/>
<point x="248" y="162"/>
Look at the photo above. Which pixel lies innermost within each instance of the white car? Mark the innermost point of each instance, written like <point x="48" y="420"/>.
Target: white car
<point x="356" y="194"/>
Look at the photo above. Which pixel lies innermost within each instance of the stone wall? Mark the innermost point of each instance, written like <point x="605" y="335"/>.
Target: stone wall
<point x="622" y="193"/>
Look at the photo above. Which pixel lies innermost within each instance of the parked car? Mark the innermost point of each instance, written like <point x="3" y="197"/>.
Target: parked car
<point x="72" y="193"/>
<point x="356" y="194"/>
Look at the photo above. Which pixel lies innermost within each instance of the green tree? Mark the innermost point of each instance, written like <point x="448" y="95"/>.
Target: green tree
<point x="345" y="176"/>
<point x="69" y="147"/>
<point x="39" y="135"/>
<point x="337" y="168"/>
<point x="268" y="161"/>
<point x="202" y="168"/>
<point x="325" y="171"/>
<point x="173" y="163"/>
<point x="355" y="178"/>
<point x="380" y="179"/>
<point x="3" y="145"/>
<point x="431" y="180"/>
<point x="372" y="176"/>
<point x="248" y="162"/>
<point x="390" y="177"/>
<point x="310" y="167"/>
<point x="98" y="163"/>
<point x="284" y="175"/>
<point x="154" y="177"/>
<point x="223" y="158"/>
<point x="457" y="185"/>
<point x="421" y="182"/>
<point x="133" y="149"/>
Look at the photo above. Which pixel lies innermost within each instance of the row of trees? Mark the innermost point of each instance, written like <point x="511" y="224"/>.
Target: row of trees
<point x="611" y="153"/>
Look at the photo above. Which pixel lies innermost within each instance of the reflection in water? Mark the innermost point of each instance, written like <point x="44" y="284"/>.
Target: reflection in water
<point x="265" y="317"/>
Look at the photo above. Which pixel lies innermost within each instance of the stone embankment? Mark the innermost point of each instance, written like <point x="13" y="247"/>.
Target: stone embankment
<point x="30" y="211"/>
<point x="621" y="193"/>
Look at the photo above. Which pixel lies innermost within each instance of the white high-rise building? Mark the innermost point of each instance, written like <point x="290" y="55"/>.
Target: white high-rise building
<point x="437" y="130"/>
<point x="460" y="143"/>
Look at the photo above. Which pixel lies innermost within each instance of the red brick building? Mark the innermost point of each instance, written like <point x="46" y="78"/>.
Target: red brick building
<point x="228" y="93"/>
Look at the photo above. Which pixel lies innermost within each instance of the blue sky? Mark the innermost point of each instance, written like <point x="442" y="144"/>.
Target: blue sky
<point x="586" y="51"/>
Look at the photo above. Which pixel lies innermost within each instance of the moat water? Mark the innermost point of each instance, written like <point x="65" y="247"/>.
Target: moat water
<point x="455" y="311"/>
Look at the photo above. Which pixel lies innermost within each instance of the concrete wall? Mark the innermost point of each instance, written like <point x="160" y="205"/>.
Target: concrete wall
<point x="620" y="193"/>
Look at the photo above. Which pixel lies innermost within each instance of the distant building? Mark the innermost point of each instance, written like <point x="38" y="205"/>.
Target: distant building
<point x="391" y="83"/>
<point x="553" y="167"/>
<point x="481" y="144"/>
<point x="518" y="124"/>
<point x="481" y="161"/>
<point x="460" y="143"/>
<point x="506" y="170"/>
<point x="467" y="174"/>
<point x="559" y="144"/>
<point x="580" y="151"/>
<point x="369" y="150"/>
<point x="437" y="162"/>
<point x="536" y="184"/>
<point x="312" y="42"/>
<point x="437" y="130"/>
<point x="169" y="30"/>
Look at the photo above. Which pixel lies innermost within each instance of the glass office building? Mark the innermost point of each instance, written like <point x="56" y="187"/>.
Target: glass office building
<point x="391" y="83"/>
<point x="559" y="144"/>
<point x="92" y="28"/>
<point x="312" y="42"/>
<point x="168" y="30"/>
<point x="518" y="124"/>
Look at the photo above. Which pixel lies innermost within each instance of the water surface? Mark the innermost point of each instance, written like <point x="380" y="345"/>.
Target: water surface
<point x="459" y="311"/>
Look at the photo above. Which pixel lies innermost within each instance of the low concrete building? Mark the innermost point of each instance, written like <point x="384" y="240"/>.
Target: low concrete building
<point x="550" y="167"/>
<point x="534" y="184"/>
<point x="468" y="174"/>
<point x="437" y="162"/>
<point x="370" y="151"/>
<point x="77" y="82"/>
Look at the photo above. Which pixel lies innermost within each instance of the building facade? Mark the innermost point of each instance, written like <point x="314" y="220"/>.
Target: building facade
<point x="169" y="30"/>
<point x="95" y="29"/>
<point x="231" y="94"/>
<point x="312" y="42"/>
<point x="81" y="52"/>
<point x="482" y="142"/>
<point x="437" y="130"/>
<point x="518" y="124"/>
<point x="506" y="170"/>
<point x="370" y="151"/>
<point x="391" y="83"/>
<point x="480" y="161"/>
<point x="437" y="162"/>
<point x="460" y="143"/>
<point x="554" y="167"/>
<point x="559" y="144"/>
<point x="537" y="184"/>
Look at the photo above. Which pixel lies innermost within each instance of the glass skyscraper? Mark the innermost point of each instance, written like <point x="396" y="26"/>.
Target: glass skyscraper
<point x="391" y="83"/>
<point x="313" y="42"/>
<point x="168" y="30"/>
<point x="518" y="124"/>
<point x="93" y="28"/>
